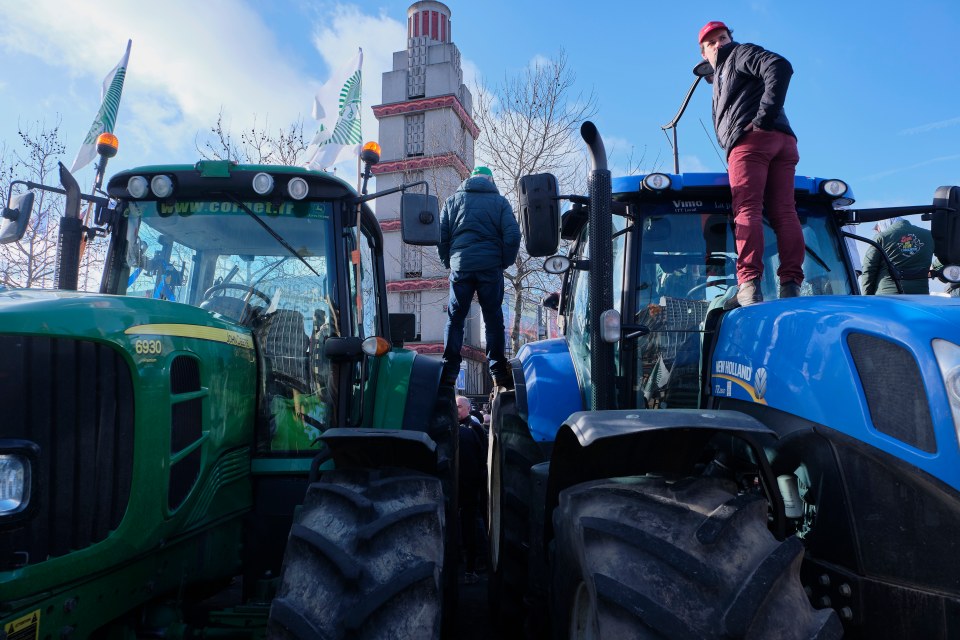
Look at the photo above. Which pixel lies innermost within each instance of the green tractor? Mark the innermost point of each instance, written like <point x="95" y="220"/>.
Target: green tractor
<point x="222" y="442"/>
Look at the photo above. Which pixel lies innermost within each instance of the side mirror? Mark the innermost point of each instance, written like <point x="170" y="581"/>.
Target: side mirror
<point x="15" y="218"/>
<point x="540" y="214"/>
<point x="403" y="327"/>
<point x="704" y="70"/>
<point x="945" y="225"/>
<point x="343" y="348"/>
<point x="420" y="219"/>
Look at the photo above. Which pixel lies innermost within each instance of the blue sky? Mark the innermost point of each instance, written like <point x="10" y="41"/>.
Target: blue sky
<point x="875" y="97"/>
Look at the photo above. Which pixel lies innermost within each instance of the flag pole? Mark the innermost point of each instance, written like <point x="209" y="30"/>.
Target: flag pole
<point x="359" y="209"/>
<point x="356" y="259"/>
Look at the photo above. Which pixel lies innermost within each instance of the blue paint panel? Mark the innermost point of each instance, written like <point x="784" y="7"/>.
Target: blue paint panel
<point x="793" y="355"/>
<point x="552" y="392"/>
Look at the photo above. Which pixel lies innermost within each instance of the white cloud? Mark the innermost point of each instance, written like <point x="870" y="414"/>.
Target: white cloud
<point x="693" y="164"/>
<point x="917" y="165"/>
<point x="933" y="126"/>
<point x="188" y="60"/>
<point x="336" y="38"/>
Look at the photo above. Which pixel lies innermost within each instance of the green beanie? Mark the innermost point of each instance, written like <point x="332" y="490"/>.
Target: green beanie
<point x="482" y="171"/>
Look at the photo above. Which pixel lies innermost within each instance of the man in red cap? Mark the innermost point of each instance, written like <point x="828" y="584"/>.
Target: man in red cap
<point x="749" y="90"/>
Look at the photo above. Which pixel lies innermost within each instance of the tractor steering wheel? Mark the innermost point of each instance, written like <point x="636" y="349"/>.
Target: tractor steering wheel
<point x="219" y="288"/>
<point x="724" y="282"/>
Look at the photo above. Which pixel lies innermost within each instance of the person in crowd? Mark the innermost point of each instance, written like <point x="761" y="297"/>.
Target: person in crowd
<point x="909" y="248"/>
<point x="472" y="475"/>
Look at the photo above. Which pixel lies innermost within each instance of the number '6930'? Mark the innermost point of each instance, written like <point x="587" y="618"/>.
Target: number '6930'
<point x="148" y="347"/>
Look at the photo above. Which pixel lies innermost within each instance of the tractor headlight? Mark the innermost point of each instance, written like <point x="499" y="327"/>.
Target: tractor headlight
<point x="162" y="186"/>
<point x="298" y="188"/>
<point x="834" y="188"/>
<point x="14" y="483"/>
<point x="263" y="183"/>
<point x="948" y="359"/>
<point x="657" y="181"/>
<point x="18" y="479"/>
<point x="137" y="186"/>
<point x="839" y="191"/>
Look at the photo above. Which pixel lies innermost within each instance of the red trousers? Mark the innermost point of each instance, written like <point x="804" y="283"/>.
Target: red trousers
<point x="762" y="167"/>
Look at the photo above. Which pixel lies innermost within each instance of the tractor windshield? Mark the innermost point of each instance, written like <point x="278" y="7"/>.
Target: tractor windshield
<point x="688" y="262"/>
<point x="214" y="255"/>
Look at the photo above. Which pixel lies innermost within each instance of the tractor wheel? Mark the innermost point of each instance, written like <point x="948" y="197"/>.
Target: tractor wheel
<point x="445" y="431"/>
<point x="646" y="558"/>
<point x="365" y="560"/>
<point x="512" y="453"/>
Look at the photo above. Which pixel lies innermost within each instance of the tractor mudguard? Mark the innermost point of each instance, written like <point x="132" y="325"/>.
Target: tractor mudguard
<point x="546" y="386"/>
<point x="607" y="444"/>
<point x="382" y="448"/>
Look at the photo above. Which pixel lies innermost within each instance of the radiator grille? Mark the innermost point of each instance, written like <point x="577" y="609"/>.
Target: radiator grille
<point x="894" y="390"/>
<point x="74" y="399"/>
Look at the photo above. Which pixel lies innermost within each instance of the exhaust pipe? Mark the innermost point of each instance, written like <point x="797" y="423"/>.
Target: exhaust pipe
<point x="602" y="373"/>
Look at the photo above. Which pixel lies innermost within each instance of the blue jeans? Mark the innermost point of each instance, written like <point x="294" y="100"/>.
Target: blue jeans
<point x="488" y="285"/>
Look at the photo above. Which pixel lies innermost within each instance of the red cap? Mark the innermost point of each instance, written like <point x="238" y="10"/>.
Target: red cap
<point x="713" y="25"/>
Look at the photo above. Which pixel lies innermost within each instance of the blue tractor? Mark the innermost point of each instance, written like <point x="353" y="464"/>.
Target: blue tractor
<point x="800" y="477"/>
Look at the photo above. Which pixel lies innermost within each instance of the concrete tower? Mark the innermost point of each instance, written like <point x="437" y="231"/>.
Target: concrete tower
<point x="426" y="133"/>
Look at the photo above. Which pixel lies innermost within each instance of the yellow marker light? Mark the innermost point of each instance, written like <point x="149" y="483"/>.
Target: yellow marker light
<point x="375" y="346"/>
<point x="107" y="145"/>
<point x="370" y="153"/>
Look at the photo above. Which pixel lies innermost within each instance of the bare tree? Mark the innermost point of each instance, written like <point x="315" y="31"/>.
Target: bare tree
<point x="31" y="262"/>
<point x="529" y="123"/>
<point x="257" y="144"/>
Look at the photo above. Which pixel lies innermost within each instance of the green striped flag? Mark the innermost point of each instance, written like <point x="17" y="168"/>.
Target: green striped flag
<point x="107" y="116"/>
<point x="342" y="135"/>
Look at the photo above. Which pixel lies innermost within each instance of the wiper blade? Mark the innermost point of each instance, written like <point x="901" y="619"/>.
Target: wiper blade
<point x="269" y="229"/>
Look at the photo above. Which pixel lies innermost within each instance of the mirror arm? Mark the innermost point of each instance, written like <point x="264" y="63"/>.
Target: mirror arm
<point x="630" y="331"/>
<point x="386" y="192"/>
<point x="42" y="187"/>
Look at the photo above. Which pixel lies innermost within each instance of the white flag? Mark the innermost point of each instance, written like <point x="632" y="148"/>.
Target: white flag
<point x="659" y="377"/>
<point x="107" y="116"/>
<point x="339" y="131"/>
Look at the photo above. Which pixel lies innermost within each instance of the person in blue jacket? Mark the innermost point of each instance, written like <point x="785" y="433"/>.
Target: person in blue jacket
<point x="479" y="238"/>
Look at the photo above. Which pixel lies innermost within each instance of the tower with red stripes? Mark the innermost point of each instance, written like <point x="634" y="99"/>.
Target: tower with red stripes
<point x="426" y="133"/>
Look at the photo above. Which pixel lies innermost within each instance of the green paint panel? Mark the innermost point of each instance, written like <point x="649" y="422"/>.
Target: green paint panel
<point x="214" y="168"/>
<point x="392" y="384"/>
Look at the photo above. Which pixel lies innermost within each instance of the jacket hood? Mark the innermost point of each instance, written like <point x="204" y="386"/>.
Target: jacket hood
<point x="478" y="183"/>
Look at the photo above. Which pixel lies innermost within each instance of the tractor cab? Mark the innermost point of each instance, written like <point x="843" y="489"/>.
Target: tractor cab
<point x="248" y="245"/>
<point x="674" y="259"/>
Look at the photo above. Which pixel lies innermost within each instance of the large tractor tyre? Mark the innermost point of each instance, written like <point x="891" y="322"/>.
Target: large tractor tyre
<point x="646" y="558"/>
<point x="512" y="453"/>
<point x="365" y="560"/>
<point x="445" y="431"/>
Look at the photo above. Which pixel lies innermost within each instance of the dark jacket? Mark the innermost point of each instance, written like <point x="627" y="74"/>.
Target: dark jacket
<point x="749" y="87"/>
<point x="477" y="228"/>
<point x="910" y="248"/>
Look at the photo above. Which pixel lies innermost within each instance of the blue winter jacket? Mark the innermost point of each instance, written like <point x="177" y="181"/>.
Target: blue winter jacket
<point x="477" y="228"/>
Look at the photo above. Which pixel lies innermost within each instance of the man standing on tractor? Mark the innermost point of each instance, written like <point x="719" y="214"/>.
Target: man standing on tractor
<point x="749" y="91"/>
<point x="479" y="238"/>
